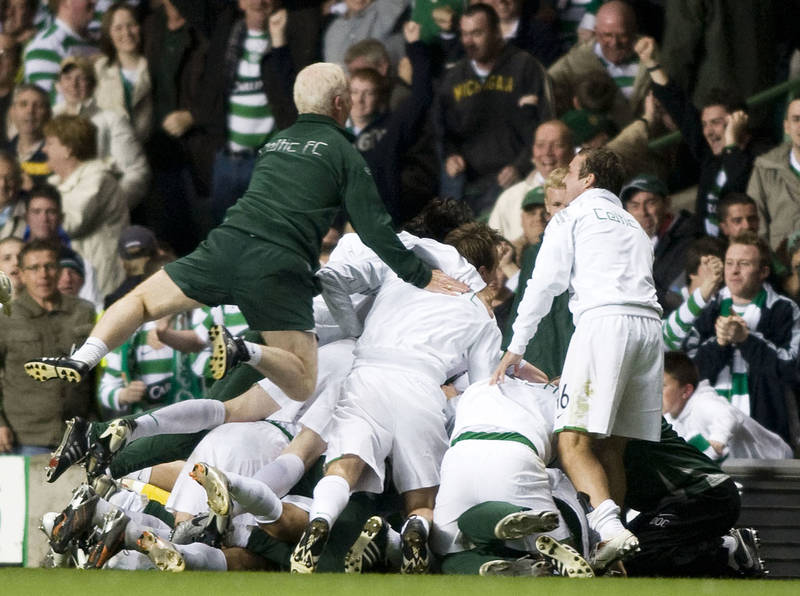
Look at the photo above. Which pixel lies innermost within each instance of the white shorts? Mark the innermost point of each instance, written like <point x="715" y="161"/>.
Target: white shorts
<point x="385" y="412"/>
<point x="241" y="447"/>
<point x="477" y="471"/>
<point x="612" y="378"/>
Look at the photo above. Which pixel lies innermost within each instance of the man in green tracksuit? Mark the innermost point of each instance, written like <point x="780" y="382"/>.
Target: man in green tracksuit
<point x="264" y="255"/>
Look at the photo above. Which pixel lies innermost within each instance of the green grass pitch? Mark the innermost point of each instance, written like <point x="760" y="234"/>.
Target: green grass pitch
<point x="60" y="582"/>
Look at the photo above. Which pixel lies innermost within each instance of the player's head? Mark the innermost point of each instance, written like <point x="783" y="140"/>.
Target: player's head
<point x="476" y="242"/>
<point x="594" y="168"/>
<point x="440" y="217"/>
<point x="680" y="380"/>
<point x="321" y="88"/>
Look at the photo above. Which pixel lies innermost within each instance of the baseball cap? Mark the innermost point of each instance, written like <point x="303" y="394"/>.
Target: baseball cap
<point x="586" y="125"/>
<point x="645" y="182"/>
<point x="135" y="242"/>
<point x="533" y="197"/>
<point x="71" y="260"/>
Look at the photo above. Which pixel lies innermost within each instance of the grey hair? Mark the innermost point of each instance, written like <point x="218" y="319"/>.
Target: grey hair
<point x="316" y="87"/>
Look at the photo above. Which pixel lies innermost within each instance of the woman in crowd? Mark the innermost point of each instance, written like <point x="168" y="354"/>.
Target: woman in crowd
<point x="123" y="78"/>
<point x="95" y="211"/>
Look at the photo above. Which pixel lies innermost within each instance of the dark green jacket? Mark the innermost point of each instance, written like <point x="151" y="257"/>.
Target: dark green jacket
<point x="302" y="178"/>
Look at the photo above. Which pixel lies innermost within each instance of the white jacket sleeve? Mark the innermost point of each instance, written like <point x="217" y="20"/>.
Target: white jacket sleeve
<point x="550" y="278"/>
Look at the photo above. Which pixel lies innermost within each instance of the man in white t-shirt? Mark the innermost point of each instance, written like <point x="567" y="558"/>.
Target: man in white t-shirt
<point x="710" y="422"/>
<point x="611" y="381"/>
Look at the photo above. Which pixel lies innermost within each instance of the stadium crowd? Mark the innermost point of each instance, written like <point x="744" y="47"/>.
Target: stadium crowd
<point x="268" y="257"/>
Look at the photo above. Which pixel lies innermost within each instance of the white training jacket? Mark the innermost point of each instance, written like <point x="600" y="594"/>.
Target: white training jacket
<point x="353" y="268"/>
<point x="433" y="334"/>
<point x="600" y="253"/>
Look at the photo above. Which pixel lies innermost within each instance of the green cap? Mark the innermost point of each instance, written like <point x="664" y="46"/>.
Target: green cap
<point x="586" y="125"/>
<point x="645" y="182"/>
<point x="533" y="197"/>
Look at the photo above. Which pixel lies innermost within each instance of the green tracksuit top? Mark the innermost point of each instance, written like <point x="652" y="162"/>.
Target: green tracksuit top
<point x="302" y="177"/>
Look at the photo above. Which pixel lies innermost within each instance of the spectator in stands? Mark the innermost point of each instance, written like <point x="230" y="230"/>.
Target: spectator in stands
<point x="737" y="213"/>
<point x="44" y="217"/>
<point x="30" y="109"/>
<point x="775" y="183"/>
<point x="747" y="339"/>
<point x="704" y="277"/>
<point x="552" y="148"/>
<point x="175" y="49"/>
<point x="9" y="66"/>
<point x="117" y="144"/>
<point x="137" y="247"/>
<point x="17" y="19"/>
<point x="717" y="137"/>
<point x="646" y="198"/>
<point x="488" y="106"/>
<point x="246" y="95"/>
<point x="72" y="274"/>
<point x="524" y="30"/>
<point x="534" y="216"/>
<point x="9" y="261"/>
<point x="94" y="210"/>
<point x="363" y="19"/>
<point x="12" y="205"/>
<point x="32" y="415"/>
<point x="708" y="421"/>
<point x="124" y="85"/>
<point x="383" y="136"/>
<point x="612" y="54"/>
<point x="791" y="284"/>
<point x="66" y="36"/>
<point x="371" y="53"/>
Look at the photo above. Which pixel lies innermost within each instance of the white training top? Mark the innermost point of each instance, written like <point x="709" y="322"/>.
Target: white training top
<point x="600" y="253"/>
<point x="514" y="406"/>
<point x="707" y="416"/>
<point x="353" y="268"/>
<point x="430" y="333"/>
<point x="408" y="327"/>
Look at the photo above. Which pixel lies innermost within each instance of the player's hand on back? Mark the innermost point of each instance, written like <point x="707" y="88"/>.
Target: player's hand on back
<point x="509" y="359"/>
<point x="441" y="283"/>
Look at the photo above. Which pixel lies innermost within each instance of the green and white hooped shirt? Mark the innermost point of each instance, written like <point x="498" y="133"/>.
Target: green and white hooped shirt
<point x="250" y="119"/>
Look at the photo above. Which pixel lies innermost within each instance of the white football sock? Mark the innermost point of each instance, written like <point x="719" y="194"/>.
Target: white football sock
<point x="605" y="520"/>
<point x="255" y="497"/>
<point x="91" y="352"/>
<point x="189" y="416"/>
<point x="394" y="547"/>
<point x="202" y="556"/>
<point x="282" y="474"/>
<point x="330" y="498"/>
<point x="128" y="500"/>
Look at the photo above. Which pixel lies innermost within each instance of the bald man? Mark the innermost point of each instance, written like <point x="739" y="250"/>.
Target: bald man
<point x="610" y="52"/>
<point x="553" y="148"/>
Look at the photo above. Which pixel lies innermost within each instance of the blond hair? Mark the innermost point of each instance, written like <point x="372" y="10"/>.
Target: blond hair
<point x="556" y="179"/>
<point x="317" y="86"/>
